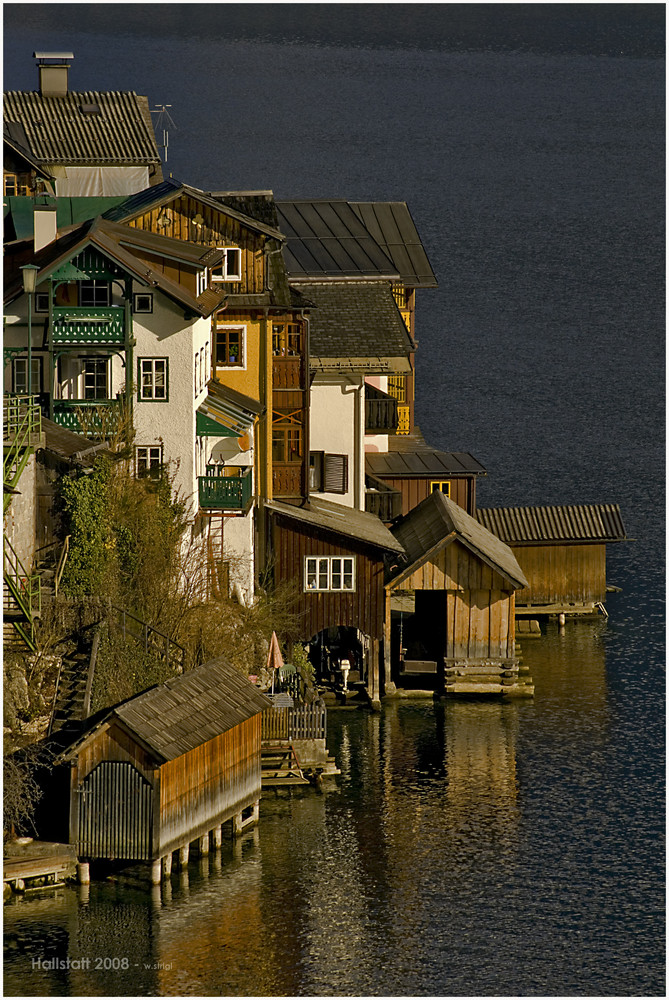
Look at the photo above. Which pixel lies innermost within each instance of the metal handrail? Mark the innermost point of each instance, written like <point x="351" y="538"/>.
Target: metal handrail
<point x="24" y="587"/>
<point x="148" y="631"/>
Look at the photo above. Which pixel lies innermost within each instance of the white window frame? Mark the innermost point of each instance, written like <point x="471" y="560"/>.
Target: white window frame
<point x="329" y="573"/>
<point x="147" y="366"/>
<point x="142" y="302"/>
<point x="154" y="454"/>
<point x="201" y="282"/>
<point x="225" y="270"/>
<point x="20" y="375"/>
<point x="242" y="345"/>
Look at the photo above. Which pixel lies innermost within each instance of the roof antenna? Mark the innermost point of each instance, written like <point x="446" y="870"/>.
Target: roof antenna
<point x="163" y="122"/>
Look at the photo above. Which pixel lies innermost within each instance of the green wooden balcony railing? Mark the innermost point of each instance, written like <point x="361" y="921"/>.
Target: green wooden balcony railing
<point x="88" y="325"/>
<point x="92" y="417"/>
<point x="225" y="492"/>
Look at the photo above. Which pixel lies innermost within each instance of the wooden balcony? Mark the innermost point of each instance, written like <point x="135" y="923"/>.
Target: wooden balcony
<point x="382" y="500"/>
<point x="381" y="415"/>
<point x="287" y="479"/>
<point x="226" y="492"/>
<point x="287" y="373"/>
<point x="82" y="325"/>
<point x="94" y="418"/>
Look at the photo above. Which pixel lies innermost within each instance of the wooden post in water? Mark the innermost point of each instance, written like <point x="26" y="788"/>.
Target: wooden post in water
<point x="203" y="845"/>
<point x="374" y="686"/>
<point x="167" y="865"/>
<point x="217" y="837"/>
<point x="389" y="687"/>
<point x="156" y="872"/>
<point x="183" y="855"/>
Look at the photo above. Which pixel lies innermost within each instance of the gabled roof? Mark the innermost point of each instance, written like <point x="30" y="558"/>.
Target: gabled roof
<point x="99" y="234"/>
<point x="169" y="190"/>
<point x="184" y="712"/>
<point x="326" y="239"/>
<point x="229" y="409"/>
<point x="422" y="464"/>
<point x="426" y="529"/>
<point x="366" y="529"/>
<point x="58" y="131"/>
<point x="356" y="320"/>
<point x="554" y="525"/>
<point x="392" y="227"/>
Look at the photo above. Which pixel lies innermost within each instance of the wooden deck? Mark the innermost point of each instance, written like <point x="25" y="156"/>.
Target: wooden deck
<point x="38" y="861"/>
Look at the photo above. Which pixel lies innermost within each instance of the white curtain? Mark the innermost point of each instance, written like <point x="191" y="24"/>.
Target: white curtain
<point x="101" y="182"/>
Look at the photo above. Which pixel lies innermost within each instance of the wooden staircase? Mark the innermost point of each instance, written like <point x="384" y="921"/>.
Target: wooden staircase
<point x="279" y="764"/>
<point x="72" y="699"/>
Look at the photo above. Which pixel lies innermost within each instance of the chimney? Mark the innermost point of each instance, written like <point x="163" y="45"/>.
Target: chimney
<point x="53" y="68"/>
<point x="45" y="225"/>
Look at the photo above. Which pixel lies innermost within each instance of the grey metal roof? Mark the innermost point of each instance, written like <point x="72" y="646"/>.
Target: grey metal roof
<point x="326" y="239"/>
<point x="355" y="320"/>
<point x="168" y="190"/>
<point x="554" y="525"/>
<point x="392" y="227"/>
<point x="69" y="446"/>
<point x="421" y="464"/>
<point x="358" y="524"/>
<point x="58" y="132"/>
<point x="423" y="528"/>
<point x="191" y="709"/>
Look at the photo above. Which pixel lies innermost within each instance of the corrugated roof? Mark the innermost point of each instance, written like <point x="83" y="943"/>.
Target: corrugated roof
<point x="421" y="464"/>
<point x="423" y="528"/>
<point x="327" y="239"/>
<point x="355" y="320"/>
<point x="392" y="227"/>
<point x="553" y="525"/>
<point x="365" y="528"/>
<point x="58" y="132"/>
<point x="192" y="708"/>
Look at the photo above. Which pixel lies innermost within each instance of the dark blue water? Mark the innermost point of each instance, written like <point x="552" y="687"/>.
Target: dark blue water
<point x="481" y="850"/>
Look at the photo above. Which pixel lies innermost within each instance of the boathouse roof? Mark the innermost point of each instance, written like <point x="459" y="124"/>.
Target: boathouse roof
<point x="367" y="529"/>
<point x="436" y="522"/>
<point x="422" y="463"/>
<point x="554" y="525"/>
<point x="358" y="325"/>
<point x="85" y="127"/>
<point x="392" y="227"/>
<point x="327" y="239"/>
<point x="184" y="712"/>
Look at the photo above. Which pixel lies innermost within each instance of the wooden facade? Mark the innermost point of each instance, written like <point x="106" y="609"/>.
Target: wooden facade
<point x="562" y="574"/>
<point x="135" y="797"/>
<point x="362" y="608"/>
<point x="462" y="490"/>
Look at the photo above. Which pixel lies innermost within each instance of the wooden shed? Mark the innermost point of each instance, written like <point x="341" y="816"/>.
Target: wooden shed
<point x="166" y="767"/>
<point x="561" y="551"/>
<point x="464" y="581"/>
<point x="335" y="557"/>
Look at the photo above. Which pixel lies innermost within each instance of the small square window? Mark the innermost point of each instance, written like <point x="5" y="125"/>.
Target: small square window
<point x="230" y="268"/>
<point x="142" y="302"/>
<point x="42" y="302"/>
<point x="441" y="486"/>
<point x="230" y="346"/>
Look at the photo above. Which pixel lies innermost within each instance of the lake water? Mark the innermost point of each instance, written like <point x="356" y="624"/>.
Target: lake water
<point x="468" y="849"/>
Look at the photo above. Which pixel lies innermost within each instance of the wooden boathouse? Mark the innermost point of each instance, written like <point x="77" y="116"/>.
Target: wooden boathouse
<point x="561" y="551"/>
<point x="166" y="768"/>
<point x="464" y="582"/>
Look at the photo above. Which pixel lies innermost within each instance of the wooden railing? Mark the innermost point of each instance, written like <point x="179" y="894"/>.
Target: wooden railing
<point x="301" y="722"/>
<point x="381" y="415"/>
<point x="287" y="373"/>
<point x="225" y="492"/>
<point x="88" y="325"/>
<point x="381" y="499"/>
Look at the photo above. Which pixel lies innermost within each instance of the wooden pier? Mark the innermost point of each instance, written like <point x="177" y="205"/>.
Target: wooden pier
<point x="36" y="864"/>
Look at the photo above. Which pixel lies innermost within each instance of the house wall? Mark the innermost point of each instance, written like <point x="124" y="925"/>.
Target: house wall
<point x="454" y="568"/>
<point x="463" y="490"/>
<point x="362" y="608"/>
<point x="165" y="334"/>
<point x="559" y="574"/>
<point x="336" y="426"/>
<point x="20" y="521"/>
<point x="208" y="785"/>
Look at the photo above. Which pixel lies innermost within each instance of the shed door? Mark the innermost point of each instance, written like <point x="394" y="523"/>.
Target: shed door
<point x="115" y="813"/>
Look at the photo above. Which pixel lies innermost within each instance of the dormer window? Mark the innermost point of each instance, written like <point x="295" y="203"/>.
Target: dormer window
<point x="230" y="268"/>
